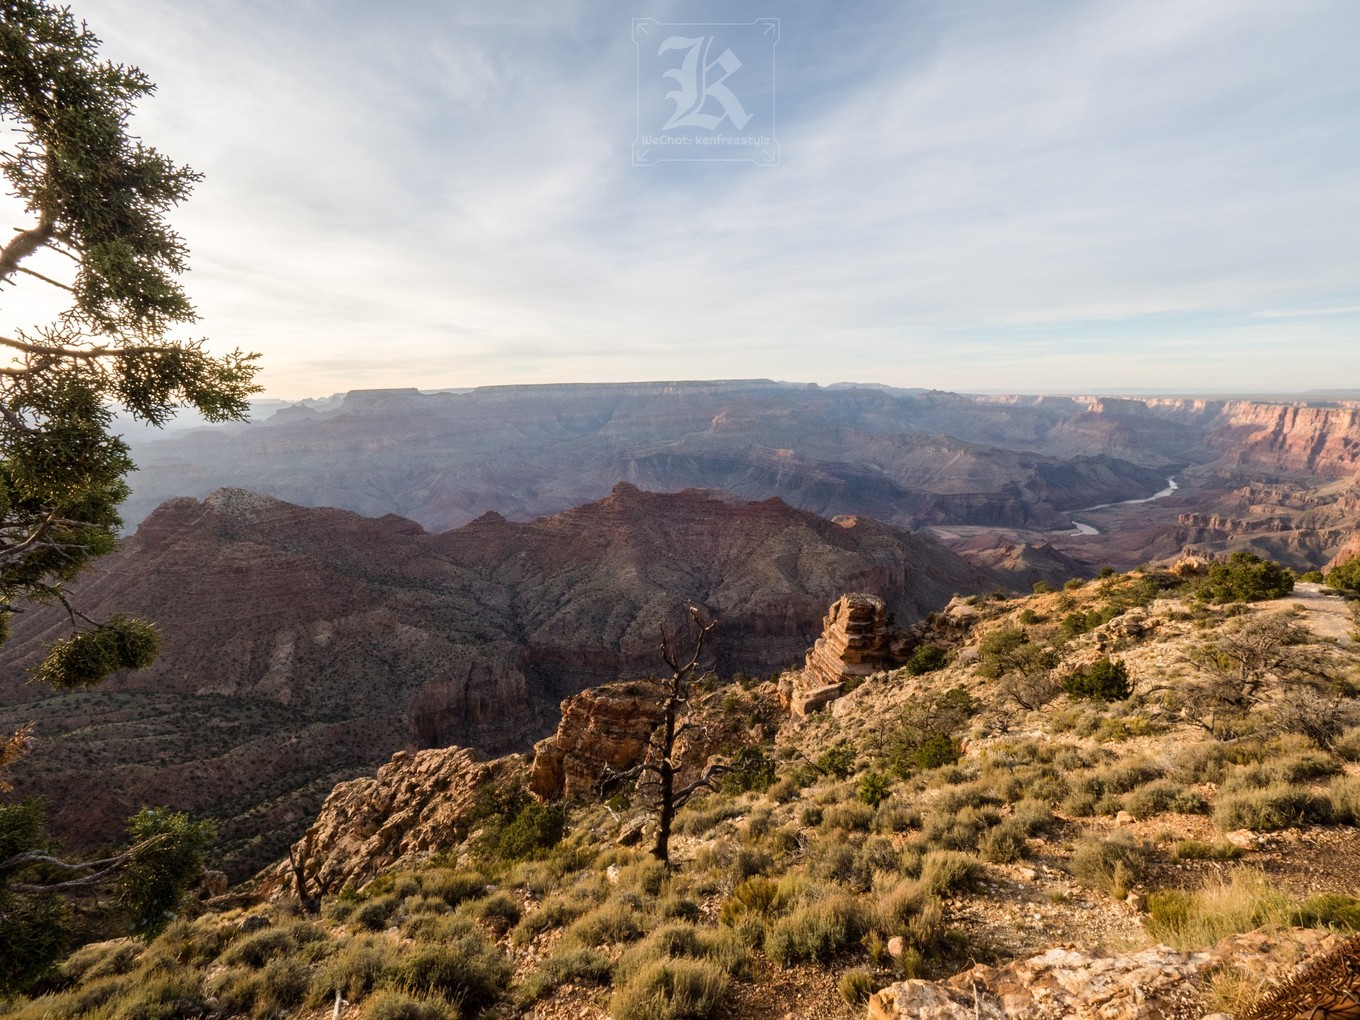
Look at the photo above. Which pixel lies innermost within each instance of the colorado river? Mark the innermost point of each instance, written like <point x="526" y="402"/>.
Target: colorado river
<point x="1090" y="529"/>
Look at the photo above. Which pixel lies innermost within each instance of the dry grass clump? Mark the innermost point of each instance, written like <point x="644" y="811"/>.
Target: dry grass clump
<point x="817" y="930"/>
<point x="1108" y="865"/>
<point x="1198" y="850"/>
<point x="1347" y="744"/>
<point x="395" y="1005"/>
<point x="616" y="920"/>
<point x="1163" y="795"/>
<point x="856" y="986"/>
<point x="1280" y="806"/>
<point x="570" y="961"/>
<point x="1242" y="901"/>
<point x="357" y="968"/>
<point x="1344" y="795"/>
<point x="670" y="990"/>
<point x="944" y="871"/>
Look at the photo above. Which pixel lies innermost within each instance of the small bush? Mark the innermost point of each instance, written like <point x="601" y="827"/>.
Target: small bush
<point x="1162" y="795"/>
<point x="670" y="990"/>
<point x="466" y="969"/>
<point x="556" y="911"/>
<point x="900" y="904"/>
<point x="1347" y="745"/>
<point x="355" y="970"/>
<point x="849" y="816"/>
<point x="1279" y="806"/>
<point x="392" y="1005"/>
<point x="374" y="914"/>
<point x="1344" y="796"/>
<point x="815" y="931"/>
<point x="1004" y="843"/>
<point x="856" y="986"/>
<point x="1192" y="920"/>
<point x="943" y="871"/>
<point x="1108" y="865"/>
<point x="1103" y="680"/>
<point x="615" y="921"/>
<point x="500" y="910"/>
<point x="755" y="895"/>
<point x="1035" y="816"/>
<point x="1329" y="910"/>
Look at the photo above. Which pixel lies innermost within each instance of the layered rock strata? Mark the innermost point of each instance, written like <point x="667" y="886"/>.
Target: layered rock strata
<point x="858" y="639"/>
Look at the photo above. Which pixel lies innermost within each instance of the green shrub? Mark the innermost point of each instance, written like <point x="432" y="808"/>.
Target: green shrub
<point x="356" y="969"/>
<point x="1162" y="795"/>
<point x="375" y="914"/>
<point x="926" y="658"/>
<point x="524" y="828"/>
<point x="943" y="871"/>
<point x="670" y="990"/>
<point x="1193" y="920"/>
<point x="1329" y="910"/>
<point x="837" y="761"/>
<point x="1345" y="576"/>
<point x="466" y="969"/>
<point x="393" y="1005"/>
<point x="754" y="773"/>
<point x="1279" y="806"/>
<point x="1108" y="865"/>
<point x="816" y="931"/>
<point x="569" y="962"/>
<point x="873" y="788"/>
<point x="856" y="986"/>
<point x="1005" y="843"/>
<point x="1245" y="577"/>
<point x="1103" y="680"/>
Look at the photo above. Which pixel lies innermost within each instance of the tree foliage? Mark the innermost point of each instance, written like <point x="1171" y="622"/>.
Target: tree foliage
<point x="1246" y="577"/>
<point x="96" y="200"/>
<point x="1345" y="576"/>
<point x="146" y="881"/>
<point x="1105" y="679"/>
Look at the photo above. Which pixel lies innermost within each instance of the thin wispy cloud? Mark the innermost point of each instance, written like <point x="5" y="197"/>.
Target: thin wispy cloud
<point x="1156" y="195"/>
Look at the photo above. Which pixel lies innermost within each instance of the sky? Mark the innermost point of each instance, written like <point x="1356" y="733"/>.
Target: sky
<point x="1021" y="195"/>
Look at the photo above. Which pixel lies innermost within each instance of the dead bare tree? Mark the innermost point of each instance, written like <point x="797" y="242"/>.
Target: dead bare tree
<point x="660" y="761"/>
<point x="1264" y="663"/>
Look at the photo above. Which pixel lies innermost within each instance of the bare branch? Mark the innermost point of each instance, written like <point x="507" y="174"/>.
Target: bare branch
<point x="24" y="244"/>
